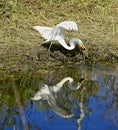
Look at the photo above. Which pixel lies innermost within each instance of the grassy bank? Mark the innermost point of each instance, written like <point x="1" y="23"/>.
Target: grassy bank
<point x="97" y="21"/>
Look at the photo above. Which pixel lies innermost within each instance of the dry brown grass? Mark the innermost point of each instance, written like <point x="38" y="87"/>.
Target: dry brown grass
<point x="97" y="21"/>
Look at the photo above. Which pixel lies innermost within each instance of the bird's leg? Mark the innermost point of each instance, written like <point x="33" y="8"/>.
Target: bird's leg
<point x="41" y="43"/>
<point x="50" y="46"/>
<point x="47" y="42"/>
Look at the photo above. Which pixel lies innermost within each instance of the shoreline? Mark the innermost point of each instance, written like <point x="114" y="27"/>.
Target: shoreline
<point x="18" y="58"/>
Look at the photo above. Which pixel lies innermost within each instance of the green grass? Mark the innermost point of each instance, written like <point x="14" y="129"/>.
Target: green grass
<point x="58" y="9"/>
<point x="96" y="19"/>
<point x="99" y="14"/>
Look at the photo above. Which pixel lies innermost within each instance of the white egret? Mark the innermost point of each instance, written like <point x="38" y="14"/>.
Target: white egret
<point x="46" y="90"/>
<point x="49" y="93"/>
<point x="56" y="34"/>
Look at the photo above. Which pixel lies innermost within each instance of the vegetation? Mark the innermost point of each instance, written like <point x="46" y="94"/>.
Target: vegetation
<point x="97" y="22"/>
<point x="96" y="19"/>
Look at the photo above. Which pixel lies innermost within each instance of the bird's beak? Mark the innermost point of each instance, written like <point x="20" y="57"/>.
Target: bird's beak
<point x="84" y="49"/>
<point x="83" y="46"/>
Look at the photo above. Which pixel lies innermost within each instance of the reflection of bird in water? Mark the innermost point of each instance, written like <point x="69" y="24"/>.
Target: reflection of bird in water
<point x="49" y="93"/>
<point x="56" y="34"/>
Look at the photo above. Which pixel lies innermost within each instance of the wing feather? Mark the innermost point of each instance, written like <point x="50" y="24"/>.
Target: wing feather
<point x="56" y="33"/>
<point x="50" y="33"/>
<point x="44" y="31"/>
<point x="69" y="25"/>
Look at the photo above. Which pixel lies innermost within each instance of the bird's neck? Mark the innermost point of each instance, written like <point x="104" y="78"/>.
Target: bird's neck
<point x="66" y="46"/>
<point x="60" y="84"/>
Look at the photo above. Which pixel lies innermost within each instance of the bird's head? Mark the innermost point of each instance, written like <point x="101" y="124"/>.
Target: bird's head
<point x="81" y="46"/>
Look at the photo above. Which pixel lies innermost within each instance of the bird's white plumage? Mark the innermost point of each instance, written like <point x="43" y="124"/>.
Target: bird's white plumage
<point x="50" y="93"/>
<point x="69" y="25"/>
<point x="44" y="31"/>
<point x="56" y="33"/>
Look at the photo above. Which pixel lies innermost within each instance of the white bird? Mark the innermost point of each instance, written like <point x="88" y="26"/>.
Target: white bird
<point x="49" y="93"/>
<point x="46" y="90"/>
<point x="56" y="34"/>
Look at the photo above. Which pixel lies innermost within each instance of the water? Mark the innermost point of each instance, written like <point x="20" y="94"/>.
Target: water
<point x="49" y="100"/>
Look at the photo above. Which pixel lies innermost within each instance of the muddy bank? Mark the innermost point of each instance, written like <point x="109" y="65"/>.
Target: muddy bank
<point x="20" y="57"/>
<point x="93" y="54"/>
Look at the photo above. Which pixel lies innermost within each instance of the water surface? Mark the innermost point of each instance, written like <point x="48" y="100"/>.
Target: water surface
<point x="90" y="102"/>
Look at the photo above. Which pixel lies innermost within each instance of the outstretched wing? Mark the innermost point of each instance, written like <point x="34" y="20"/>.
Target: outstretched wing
<point x="44" y="31"/>
<point x="50" y="33"/>
<point x="69" y="25"/>
<point x="56" y="33"/>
